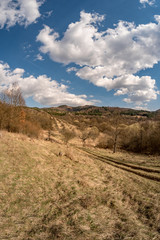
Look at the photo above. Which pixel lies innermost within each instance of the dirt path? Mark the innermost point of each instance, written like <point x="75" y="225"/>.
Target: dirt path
<point x="138" y="170"/>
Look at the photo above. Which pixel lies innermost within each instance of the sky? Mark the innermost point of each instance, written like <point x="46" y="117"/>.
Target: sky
<point x="82" y="52"/>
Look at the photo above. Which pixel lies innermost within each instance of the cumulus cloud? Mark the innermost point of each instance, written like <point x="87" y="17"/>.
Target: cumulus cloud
<point x="109" y="58"/>
<point x="23" y="12"/>
<point x="77" y="44"/>
<point x="150" y="2"/>
<point x="43" y="89"/>
<point x="138" y="89"/>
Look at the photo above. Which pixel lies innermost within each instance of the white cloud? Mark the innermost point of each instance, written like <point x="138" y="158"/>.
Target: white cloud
<point x="142" y="108"/>
<point x="109" y="58"/>
<point x="47" y="14"/>
<point x="23" y="12"/>
<point x="77" y="44"/>
<point x="43" y="89"/>
<point x="39" y="57"/>
<point x="139" y="89"/>
<point x="150" y="2"/>
<point x="72" y="69"/>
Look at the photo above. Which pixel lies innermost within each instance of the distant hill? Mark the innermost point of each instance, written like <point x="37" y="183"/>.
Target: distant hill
<point x="94" y="110"/>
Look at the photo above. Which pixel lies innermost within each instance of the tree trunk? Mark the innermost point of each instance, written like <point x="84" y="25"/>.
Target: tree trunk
<point x="115" y="142"/>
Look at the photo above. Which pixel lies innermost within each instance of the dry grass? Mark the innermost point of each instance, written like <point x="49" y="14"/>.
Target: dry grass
<point x="132" y="158"/>
<point x="147" y="172"/>
<point x="46" y="195"/>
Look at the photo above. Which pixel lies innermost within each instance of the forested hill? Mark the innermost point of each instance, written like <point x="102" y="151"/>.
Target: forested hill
<point x="94" y="110"/>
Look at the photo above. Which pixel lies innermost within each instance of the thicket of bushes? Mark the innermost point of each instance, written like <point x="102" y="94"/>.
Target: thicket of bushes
<point x="118" y="131"/>
<point x="142" y="138"/>
<point x="136" y="135"/>
<point x="15" y="117"/>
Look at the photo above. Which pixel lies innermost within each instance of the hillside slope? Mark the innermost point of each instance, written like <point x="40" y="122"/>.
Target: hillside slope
<point x="49" y="191"/>
<point x="101" y="111"/>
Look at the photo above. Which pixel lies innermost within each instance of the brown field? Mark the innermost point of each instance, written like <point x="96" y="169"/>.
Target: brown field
<point x="52" y="191"/>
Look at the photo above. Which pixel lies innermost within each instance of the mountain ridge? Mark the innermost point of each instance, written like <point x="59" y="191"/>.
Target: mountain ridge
<point x="104" y="110"/>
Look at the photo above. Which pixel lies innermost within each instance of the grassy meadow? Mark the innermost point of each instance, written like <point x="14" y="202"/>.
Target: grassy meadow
<point x="51" y="190"/>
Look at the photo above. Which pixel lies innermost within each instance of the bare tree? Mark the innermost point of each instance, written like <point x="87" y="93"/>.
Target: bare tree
<point x="117" y="127"/>
<point x="89" y="133"/>
<point x="2" y="111"/>
<point x="67" y="135"/>
<point x="13" y="100"/>
<point x="84" y="136"/>
<point x="13" y="96"/>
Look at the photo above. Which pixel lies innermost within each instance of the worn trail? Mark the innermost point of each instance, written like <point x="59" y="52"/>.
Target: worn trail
<point x="148" y="173"/>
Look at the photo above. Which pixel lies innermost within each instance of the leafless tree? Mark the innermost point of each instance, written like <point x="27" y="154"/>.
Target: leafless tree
<point x="89" y="133"/>
<point x="117" y="126"/>
<point x="13" y="96"/>
<point x="12" y="101"/>
<point x="67" y="135"/>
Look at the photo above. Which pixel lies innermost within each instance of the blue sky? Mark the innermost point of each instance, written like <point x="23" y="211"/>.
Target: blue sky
<point x="104" y="52"/>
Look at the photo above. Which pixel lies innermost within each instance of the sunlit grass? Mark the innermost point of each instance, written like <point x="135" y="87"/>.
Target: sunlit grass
<point x="71" y="196"/>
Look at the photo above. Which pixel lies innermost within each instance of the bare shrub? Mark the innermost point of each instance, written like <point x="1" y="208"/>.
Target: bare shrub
<point x="45" y="121"/>
<point x="67" y="135"/>
<point x="2" y="113"/>
<point x="11" y="105"/>
<point x="104" y="127"/>
<point x="42" y="118"/>
<point x="110" y="143"/>
<point x="102" y="143"/>
<point x="91" y="133"/>
<point x="13" y="96"/>
<point x="32" y="129"/>
<point x="142" y="138"/>
<point x="84" y="137"/>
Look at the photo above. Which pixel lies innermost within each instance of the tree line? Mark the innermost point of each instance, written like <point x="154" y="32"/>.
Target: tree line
<point x="16" y="117"/>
